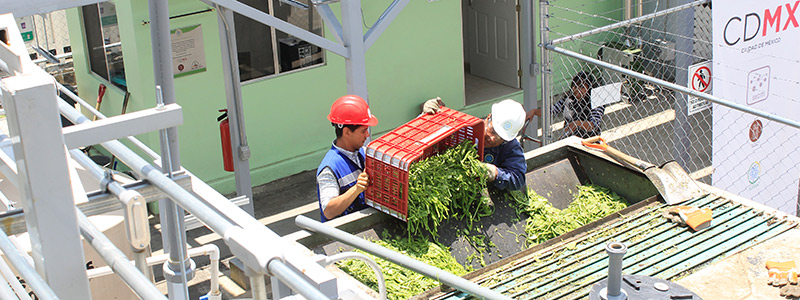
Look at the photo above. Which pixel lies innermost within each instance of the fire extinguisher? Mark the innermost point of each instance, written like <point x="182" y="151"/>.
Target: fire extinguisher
<point x="225" y="135"/>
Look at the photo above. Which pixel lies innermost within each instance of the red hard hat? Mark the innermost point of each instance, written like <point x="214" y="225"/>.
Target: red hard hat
<point x="351" y="110"/>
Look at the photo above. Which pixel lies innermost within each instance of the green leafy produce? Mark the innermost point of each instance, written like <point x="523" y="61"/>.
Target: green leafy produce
<point x="402" y="283"/>
<point x="446" y="185"/>
<point x="545" y="221"/>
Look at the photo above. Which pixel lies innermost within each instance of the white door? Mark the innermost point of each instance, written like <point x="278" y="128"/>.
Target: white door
<point x="492" y="37"/>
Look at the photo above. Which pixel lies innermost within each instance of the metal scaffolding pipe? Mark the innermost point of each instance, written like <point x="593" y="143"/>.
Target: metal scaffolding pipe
<point x="147" y="171"/>
<point x="628" y="22"/>
<point x="675" y="87"/>
<point x="400" y="259"/>
<point x="12" y="279"/>
<point x="117" y="260"/>
<point x="297" y="283"/>
<point x="34" y="280"/>
<point x="100" y="115"/>
<point x="209" y="249"/>
<point x="6" y="292"/>
<point x="217" y="222"/>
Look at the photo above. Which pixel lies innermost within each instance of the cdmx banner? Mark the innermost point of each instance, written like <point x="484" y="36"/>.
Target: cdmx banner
<point x="757" y="63"/>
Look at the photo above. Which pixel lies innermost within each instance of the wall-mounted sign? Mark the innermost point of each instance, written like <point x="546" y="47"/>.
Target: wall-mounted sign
<point x="699" y="80"/>
<point x="188" y="54"/>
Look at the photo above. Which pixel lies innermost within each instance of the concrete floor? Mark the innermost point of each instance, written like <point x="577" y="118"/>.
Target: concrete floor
<point x="744" y="275"/>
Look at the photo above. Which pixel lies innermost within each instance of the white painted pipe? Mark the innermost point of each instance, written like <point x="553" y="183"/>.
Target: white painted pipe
<point x="12" y="279"/>
<point x="210" y="249"/>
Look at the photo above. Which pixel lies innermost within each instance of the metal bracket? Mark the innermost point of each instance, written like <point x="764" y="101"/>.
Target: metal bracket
<point x="107" y="178"/>
<point x="244" y="152"/>
<point x="536" y="69"/>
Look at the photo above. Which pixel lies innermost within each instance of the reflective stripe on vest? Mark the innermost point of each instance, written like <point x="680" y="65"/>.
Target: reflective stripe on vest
<point x="346" y="173"/>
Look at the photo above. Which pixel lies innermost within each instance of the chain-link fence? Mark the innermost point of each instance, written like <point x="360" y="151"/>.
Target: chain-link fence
<point x="671" y="43"/>
<point x="46" y="37"/>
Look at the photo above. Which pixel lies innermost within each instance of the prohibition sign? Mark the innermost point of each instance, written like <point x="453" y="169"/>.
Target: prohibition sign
<point x="701" y="79"/>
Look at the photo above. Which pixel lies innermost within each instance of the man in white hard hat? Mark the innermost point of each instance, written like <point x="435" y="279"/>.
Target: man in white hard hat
<point x="502" y="153"/>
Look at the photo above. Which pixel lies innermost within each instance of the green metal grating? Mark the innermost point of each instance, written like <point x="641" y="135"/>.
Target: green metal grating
<point x="656" y="247"/>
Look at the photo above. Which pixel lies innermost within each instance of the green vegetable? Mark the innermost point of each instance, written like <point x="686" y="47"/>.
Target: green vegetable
<point x="545" y="221"/>
<point x="402" y="283"/>
<point x="447" y="185"/>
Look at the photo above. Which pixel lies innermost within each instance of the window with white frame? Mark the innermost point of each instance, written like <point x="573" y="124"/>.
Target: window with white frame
<point x="103" y="43"/>
<point x="265" y="51"/>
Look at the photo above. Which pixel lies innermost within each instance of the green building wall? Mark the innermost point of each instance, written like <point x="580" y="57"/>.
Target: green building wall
<point x="418" y="57"/>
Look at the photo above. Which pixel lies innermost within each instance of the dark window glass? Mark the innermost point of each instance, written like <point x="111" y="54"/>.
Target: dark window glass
<point x="103" y="42"/>
<point x="264" y="51"/>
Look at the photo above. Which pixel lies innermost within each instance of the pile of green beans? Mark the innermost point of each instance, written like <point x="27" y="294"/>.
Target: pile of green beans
<point x="447" y="185"/>
<point x="546" y="222"/>
<point x="402" y="283"/>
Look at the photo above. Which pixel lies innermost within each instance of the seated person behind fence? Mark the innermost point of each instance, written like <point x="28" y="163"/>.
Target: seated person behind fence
<point x="580" y="119"/>
<point x="341" y="180"/>
<point x="502" y="153"/>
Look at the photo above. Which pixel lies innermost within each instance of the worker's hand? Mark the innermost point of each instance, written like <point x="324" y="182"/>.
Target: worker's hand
<point x="491" y="171"/>
<point x="432" y="106"/>
<point x="362" y="183"/>
<point x="533" y="112"/>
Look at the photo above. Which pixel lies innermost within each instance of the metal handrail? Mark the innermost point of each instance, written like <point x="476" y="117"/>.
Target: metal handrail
<point x="34" y="280"/>
<point x="117" y="260"/>
<point x="87" y="106"/>
<point x="400" y="259"/>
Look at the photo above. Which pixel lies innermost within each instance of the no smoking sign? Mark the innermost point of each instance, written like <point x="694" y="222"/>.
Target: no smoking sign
<point x="699" y="80"/>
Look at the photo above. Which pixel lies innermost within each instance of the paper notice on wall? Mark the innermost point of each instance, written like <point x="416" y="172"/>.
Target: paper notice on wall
<point x="188" y="54"/>
<point x="755" y="65"/>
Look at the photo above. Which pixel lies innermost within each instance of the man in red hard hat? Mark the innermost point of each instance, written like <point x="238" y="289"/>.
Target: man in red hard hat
<point x="341" y="179"/>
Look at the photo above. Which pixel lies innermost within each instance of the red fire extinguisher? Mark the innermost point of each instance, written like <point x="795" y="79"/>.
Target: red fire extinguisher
<point x="225" y="135"/>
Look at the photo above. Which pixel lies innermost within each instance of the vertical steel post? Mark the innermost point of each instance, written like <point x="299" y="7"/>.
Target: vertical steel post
<point x="529" y="66"/>
<point x="34" y="126"/>
<point x="180" y="267"/>
<point x="233" y="94"/>
<point x="353" y="37"/>
<point x="544" y="31"/>
<point x="682" y="25"/>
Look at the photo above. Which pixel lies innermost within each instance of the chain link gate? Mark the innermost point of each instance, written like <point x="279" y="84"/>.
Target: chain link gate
<point x="46" y="37"/>
<point x="643" y="117"/>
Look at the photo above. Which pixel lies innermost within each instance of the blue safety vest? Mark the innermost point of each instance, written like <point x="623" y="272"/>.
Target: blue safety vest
<point x="346" y="173"/>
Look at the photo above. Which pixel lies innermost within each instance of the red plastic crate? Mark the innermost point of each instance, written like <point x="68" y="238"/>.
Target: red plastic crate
<point x="390" y="156"/>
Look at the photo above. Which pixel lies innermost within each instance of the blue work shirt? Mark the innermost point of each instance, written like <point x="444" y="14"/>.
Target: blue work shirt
<point x="510" y="163"/>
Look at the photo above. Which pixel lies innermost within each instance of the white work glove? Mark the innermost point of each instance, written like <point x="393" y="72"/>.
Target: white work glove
<point x="432" y="106"/>
<point x="491" y="171"/>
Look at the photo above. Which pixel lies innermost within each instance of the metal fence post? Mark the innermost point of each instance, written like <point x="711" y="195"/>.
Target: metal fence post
<point x="179" y="268"/>
<point x="682" y="24"/>
<point x="529" y="66"/>
<point x="546" y="74"/>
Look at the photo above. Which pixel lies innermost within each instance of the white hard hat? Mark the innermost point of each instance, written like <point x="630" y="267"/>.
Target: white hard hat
<point x="508" y="116"/>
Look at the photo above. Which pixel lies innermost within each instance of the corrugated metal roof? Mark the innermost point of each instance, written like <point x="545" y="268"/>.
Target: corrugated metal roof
<point x="656" y="247"/>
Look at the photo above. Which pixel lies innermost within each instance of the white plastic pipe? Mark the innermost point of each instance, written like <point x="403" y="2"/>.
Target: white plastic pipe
<point x="210" y="249"/>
